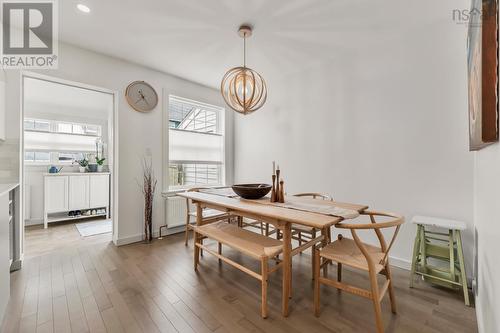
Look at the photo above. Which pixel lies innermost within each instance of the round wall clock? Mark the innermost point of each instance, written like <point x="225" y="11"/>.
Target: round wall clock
<point x="141" y="96"/>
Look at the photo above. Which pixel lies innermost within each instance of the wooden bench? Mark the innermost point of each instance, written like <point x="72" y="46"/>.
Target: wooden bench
<point x="254" y="245"/>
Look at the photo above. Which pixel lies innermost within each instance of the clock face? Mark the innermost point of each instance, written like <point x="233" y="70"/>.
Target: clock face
<point x="141" y="96"/>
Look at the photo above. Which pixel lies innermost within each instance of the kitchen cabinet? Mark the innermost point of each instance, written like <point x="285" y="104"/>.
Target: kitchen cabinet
<point x="78" y="193"/>
<point x="65" y="192"/>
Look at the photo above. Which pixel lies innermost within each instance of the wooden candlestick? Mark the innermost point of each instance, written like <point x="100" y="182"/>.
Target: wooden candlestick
<point x="277" y="185"/>
<point x="273" y="190"/>
<point x="281" y="196"/>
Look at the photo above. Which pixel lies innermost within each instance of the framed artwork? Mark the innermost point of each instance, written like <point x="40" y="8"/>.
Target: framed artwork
<point x="483" y="80"/>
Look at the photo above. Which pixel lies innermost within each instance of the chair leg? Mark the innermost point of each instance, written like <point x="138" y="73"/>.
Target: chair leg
<point x="186" y="236"/>
<point x="376" y="302"/>
<point x="219" y="250"/>
<point x="264" y="271"/>
<point x="392" y="296"/>
<point x="451" y="248"/>
<point x="339" y="272"/>
<point x="423" y="250"/>
<point x="414" y="260"/>
<point x="267" y="229"/>
<point x="316" y="282"/>
<point x="196" y="251"/>
<point x="300" y="240"/>
<point x="463" y="277"/>
<point x="313" y="250"/>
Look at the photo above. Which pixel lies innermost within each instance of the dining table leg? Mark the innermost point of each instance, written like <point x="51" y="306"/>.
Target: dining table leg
<point x="326" y="239"/>
<point x="287" y="267"/>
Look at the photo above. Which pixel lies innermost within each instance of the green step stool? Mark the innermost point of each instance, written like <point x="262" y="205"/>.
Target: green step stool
<point x="443" y="248"/>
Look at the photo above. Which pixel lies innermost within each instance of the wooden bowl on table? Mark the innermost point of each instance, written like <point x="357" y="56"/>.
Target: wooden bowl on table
<point x="251" y="191"/>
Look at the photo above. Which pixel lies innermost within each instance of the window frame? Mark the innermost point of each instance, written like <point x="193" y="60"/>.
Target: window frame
<point x="220" y="131"/>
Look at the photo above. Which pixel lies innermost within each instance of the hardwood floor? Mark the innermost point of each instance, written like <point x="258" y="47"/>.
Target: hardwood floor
<point x="89" y="285"/>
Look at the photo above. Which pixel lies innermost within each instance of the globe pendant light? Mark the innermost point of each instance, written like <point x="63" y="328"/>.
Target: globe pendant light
<point x="243" y="89"/>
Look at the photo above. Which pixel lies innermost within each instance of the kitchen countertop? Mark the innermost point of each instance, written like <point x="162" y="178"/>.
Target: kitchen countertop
<point x="5" y="188"/>
<point x="75" y="173"/>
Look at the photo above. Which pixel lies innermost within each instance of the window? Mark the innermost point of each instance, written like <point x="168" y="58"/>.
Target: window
<point x="69" y="157"/>
<point x="80" y="129"/>
<point x="37" y="125"/>
<point x="196" y="144"/>
<point x="37" y="157"/>
<point x="55" y="142"/>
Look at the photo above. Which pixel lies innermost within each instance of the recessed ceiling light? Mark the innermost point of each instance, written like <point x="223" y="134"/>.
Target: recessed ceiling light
<point x="83" y="8"/>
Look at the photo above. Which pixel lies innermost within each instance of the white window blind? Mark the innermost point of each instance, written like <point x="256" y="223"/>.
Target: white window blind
<point x="196" y="143"/>
<point x="46" y="141"/>
<point x="195" y="147"/>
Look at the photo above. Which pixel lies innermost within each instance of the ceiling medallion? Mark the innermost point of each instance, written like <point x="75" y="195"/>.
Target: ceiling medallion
<point x="243" y="89"/>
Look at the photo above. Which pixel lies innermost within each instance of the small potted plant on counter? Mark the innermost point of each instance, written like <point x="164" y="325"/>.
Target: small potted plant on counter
<point x="82" y="164"/>
<point x="100" y="164"/>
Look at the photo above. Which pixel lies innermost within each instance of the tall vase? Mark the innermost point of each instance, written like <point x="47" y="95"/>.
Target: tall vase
<point x="148" y="218"/>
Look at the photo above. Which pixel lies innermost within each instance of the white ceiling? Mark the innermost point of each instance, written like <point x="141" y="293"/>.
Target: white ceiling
<point x="197" y="40"/>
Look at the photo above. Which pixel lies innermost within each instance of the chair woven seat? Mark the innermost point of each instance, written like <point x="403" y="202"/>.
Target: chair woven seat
<point x="347" y="252"/>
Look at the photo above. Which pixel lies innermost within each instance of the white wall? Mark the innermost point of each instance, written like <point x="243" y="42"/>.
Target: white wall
<point x="487" y="223"/>
<point x="384" y="126"/>
<point x="138" y="132"/>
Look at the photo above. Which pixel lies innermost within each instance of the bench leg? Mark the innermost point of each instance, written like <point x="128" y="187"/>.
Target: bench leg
<point x="414" y="259"/>
<point x="264" y="272"/>
<point x="196" y="236"/>
<point x="316" y="265"/>
<point x="463" y="277"/>
<point x="196" y="251"/>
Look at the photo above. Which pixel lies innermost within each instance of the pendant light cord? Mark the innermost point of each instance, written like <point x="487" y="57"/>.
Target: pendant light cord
<point x="245" y="49"/>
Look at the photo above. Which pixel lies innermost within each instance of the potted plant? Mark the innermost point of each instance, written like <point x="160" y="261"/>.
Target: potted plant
<point x="100" y="164"/>
<point x="82" y="164"/>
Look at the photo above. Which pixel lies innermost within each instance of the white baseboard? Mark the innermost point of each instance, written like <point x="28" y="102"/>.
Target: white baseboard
<point x="175" y="230"/>
<point x="400" y="263"/>
<point x="139" y="237"/>
<point x="133" y="239"/>
<point x="129" y="240"/>
<point x="36" y="221"/>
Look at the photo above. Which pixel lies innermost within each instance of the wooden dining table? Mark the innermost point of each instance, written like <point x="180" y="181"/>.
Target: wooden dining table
<point x="281" y="218"/>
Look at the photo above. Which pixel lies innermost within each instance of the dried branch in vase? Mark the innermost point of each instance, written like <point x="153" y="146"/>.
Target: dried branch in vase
<point x="149" y="182"/>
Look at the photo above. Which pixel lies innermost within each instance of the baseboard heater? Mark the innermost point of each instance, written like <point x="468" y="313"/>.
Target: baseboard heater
<point x="176" y="212"/>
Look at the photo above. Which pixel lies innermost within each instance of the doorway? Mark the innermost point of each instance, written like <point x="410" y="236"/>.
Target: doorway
<point x="69" y="174"/>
